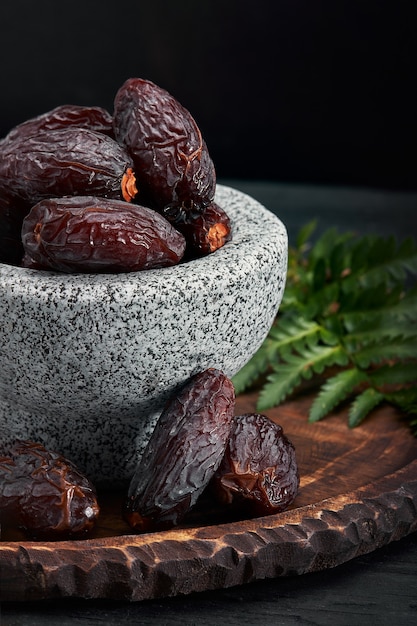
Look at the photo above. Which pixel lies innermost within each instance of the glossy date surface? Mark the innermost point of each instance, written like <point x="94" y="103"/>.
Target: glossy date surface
<point x="259" y="469"/>
<point x="183" y="452"/>
<point x="92" y="117"/>
<point x="90" y="234"/>
<point x="44" y="494"/>
<point x="171" y="159"/>
<point x="207" y="231"/>
<point x="71" y="161"/>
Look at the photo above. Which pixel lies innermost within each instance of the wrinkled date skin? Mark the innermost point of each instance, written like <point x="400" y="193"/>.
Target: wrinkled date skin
<point x="259" y="471"/>
<point x="206" y="232"/>
<point x="183" y="453"/>
<point x="72" y="161"/>
<point x="93" y="118"/>
<point x="89" y="234"/>
<point x="44" y="494"/>
<point x="174" y="169"/>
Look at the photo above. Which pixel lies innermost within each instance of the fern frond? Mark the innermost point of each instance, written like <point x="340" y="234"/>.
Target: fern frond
<point x="254" y="368"/>
<point x="321" y="302"/>
<point x="293" y="333"/>
<point x="363" y="405"/>
<point x="279" y="385"/>
<point x="379" y="332"/>
<point x="340" y="258"/>
<point x="386" y="264"/>
<point x="348" y="305"/>
<point x="394" y="374"/>
<point x="334" y="391"/>
<point x="406" y="401"/>
<point x="327" y="242"/>
<point x="287" y="375"/>
<point x="315" y="359"/>
<point x="402" y="309"/>
<point x="375" y="298"/>
<point x="304" y="235"/>
<point x="377" y="353"/>
<point x="359" y="255"/>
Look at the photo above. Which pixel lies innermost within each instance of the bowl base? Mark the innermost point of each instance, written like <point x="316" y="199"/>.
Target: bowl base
<point x="107" y="455"/>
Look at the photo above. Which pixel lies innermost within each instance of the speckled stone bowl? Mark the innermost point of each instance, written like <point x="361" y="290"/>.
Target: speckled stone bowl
<point x="87" y="362"/>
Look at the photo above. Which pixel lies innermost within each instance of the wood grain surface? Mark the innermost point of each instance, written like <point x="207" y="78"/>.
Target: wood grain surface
<point x="358" y="492"/>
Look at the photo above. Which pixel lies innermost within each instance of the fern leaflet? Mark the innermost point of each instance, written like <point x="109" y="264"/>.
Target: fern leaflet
<point x="334" y="391"/>
<point x="376" y="353"/>
<point x="287" y="375"/>
<point x="363" y="404"/>
<point x="348" y="314"/>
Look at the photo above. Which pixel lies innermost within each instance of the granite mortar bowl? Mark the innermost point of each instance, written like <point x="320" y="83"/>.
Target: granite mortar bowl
<point x="87" y="362"/>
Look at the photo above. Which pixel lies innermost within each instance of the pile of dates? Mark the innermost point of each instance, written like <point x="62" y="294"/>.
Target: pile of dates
<point x="199" y="446"/>
<point x="83" y="190"/>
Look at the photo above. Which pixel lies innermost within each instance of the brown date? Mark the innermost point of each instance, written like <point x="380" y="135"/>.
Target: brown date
<point x="44" y="494"/>
<point x="171" y="160"/>
<point x="90" y="234"/>
<point x="93" y="118"/>
<point x="183" y="452"/>
<point x="71" y="161"/>
<point x="206" y="232"/>
<point x="259" y="469"/>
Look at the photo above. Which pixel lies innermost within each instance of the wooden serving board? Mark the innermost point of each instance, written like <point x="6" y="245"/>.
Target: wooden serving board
<point x="358" y="491"/>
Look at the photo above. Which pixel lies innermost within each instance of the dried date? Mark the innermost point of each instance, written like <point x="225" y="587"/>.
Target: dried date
<point x="259" y="471"/>
<point x="72" y="161"/>
<point x="90" y="234"/>
<point x="61" y="117"/>
<point x="171" y="159"/>
<point x="206" y="232"/>
<point x="45" y="494"/>
<point x="183" y="452"/>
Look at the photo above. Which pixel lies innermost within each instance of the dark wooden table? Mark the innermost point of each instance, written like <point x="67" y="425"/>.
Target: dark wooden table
<point x="378" y="588"/>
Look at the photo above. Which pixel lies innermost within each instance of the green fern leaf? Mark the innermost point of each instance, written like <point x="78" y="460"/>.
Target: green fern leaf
<point x="407" y="252"/>
<point x="250" y="372"/>
<point x="402" y="309"/>
<point x="374" y="354"/>
<point x="293" y="333"/>
<point x="278" y="387"/>
<point x="286" y="376"/>
<point x="404" y="398"/>
<point x="320" y="357"/>
<point x="340" y="259"/>
<point x="334" y="391"/>
<point x="359" y="257"/>
<point x="305" y="233"/>
<point x="406" y="401"/>
<point x="330" y="239"/>
<point x="363" y="405"/>
<point x="321" y="302"/>
<point x="319" y="274"/>
<point x="394" y="374"/>
<point x="387" y="265"/>
<point x="372" y="299"/>
<point x="347" y="305"/>
<point x="379" y="332"/>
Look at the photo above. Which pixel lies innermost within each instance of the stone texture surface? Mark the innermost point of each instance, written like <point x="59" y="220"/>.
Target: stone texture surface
<point x="88" y="361"/>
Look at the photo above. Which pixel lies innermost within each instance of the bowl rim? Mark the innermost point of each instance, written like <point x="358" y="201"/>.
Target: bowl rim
<point x="254" y="227"/>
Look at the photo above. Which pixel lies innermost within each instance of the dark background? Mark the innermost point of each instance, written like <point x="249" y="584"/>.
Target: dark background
<point x="283" y="90"/>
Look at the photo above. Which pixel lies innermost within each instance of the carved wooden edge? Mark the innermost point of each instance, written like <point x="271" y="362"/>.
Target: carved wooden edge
<point x="138" y="567"/>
